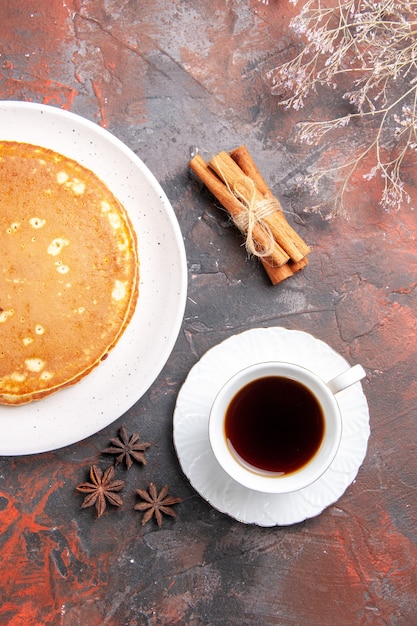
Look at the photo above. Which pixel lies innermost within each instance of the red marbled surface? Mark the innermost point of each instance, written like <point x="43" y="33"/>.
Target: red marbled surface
<point x="165" y="76"/>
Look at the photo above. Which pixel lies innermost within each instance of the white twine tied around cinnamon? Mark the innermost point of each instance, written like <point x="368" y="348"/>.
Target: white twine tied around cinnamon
<point x="255" y="213"/>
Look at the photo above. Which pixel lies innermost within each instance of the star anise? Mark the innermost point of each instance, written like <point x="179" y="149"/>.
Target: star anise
<point x="127" y="448"/>
<point x="156" y="504"/>
<point x="101" y="488"/>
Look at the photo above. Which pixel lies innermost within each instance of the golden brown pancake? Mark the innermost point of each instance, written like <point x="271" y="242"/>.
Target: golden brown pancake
<point x="69" y="272"/>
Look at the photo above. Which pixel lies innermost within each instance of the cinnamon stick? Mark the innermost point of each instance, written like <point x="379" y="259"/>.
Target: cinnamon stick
<point x="235" y="208"/>
<point x="237" y="183"/>
<point x="227" y="169"/>
<point x="242" y="157"/>
<point x="296" y="267"/>
<point x="277" y="274"/>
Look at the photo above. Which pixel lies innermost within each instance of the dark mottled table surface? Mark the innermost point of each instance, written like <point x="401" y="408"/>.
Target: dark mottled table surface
<point x="165" y="77"/>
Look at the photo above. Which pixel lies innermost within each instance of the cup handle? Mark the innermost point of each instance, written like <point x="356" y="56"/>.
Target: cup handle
<point x="347" y="378"/>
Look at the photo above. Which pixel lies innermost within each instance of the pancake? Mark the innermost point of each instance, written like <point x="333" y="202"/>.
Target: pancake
<point x="69" y="272"/>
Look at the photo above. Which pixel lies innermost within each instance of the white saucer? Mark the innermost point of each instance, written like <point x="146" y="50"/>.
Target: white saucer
<point x="191" y="427"/>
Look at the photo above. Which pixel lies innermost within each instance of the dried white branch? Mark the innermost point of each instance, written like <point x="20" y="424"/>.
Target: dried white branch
<point x="371" y="46"/>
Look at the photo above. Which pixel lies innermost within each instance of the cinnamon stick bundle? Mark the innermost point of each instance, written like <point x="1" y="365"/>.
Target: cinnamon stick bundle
<point x="236" y="182"/>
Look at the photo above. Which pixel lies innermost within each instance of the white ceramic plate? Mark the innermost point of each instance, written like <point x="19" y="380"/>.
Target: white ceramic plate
<point x="132" y="366"/>
<point x="191" y="427"/>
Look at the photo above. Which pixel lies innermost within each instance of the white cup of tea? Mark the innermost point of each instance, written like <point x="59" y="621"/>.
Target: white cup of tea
<point x="275" y="427"/>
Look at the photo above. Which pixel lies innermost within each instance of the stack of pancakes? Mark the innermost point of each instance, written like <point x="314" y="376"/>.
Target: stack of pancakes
<point x="69" y="272"/>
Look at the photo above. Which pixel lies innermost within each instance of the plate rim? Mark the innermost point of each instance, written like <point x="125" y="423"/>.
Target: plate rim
<point x="79" y="123"/>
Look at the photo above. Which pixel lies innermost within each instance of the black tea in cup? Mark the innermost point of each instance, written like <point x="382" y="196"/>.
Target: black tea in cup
<point x="274" y="424"/>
